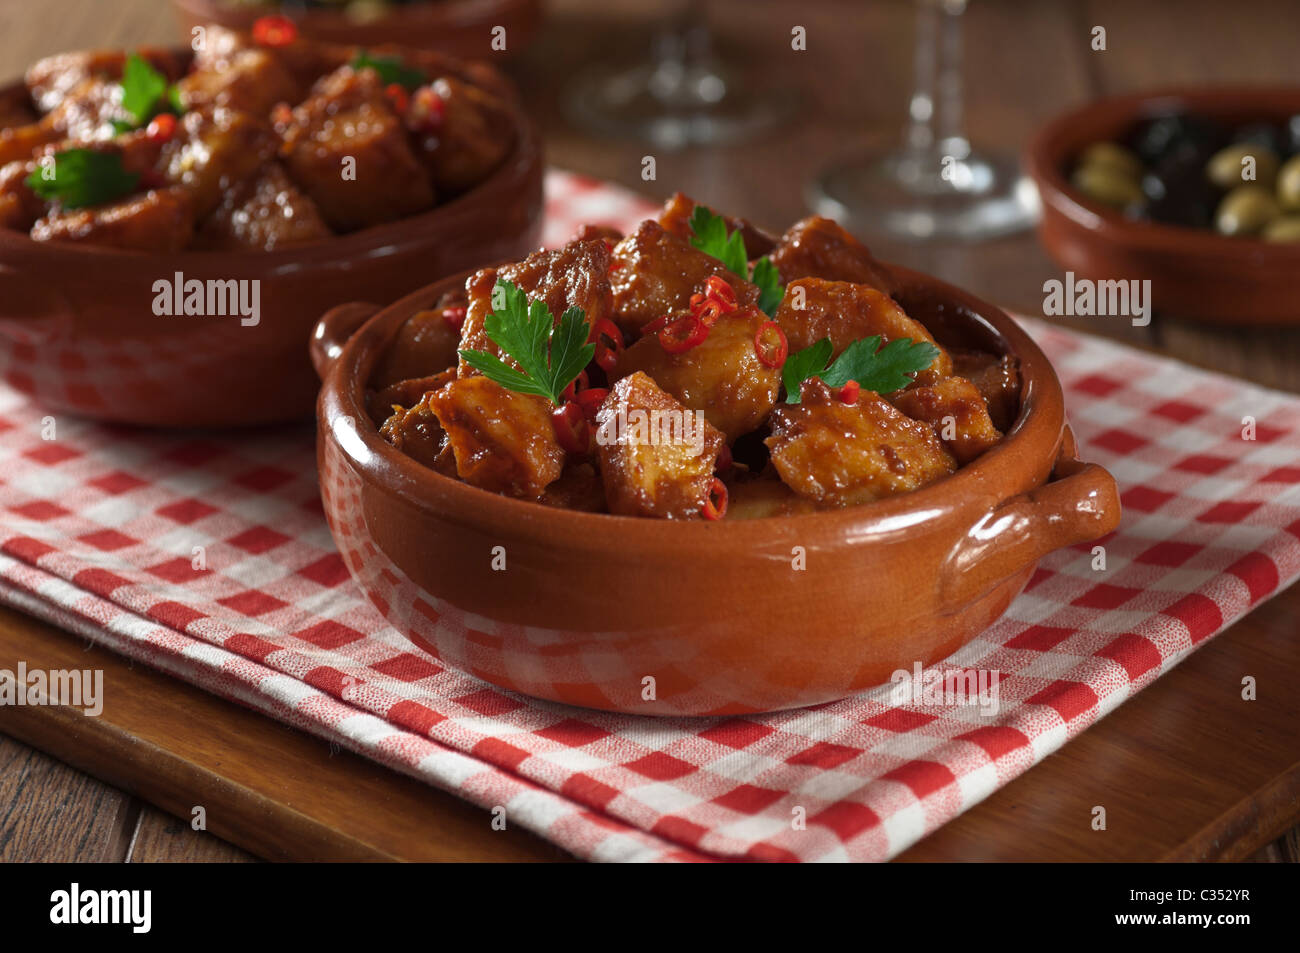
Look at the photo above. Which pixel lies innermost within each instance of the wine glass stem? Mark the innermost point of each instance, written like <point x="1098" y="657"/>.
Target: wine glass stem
<point x="682" y="45"/>
<point x="935" y="113"/>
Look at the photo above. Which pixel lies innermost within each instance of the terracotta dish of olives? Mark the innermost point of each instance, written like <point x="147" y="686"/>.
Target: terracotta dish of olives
<point x="1195" y="190"/>
<point x="1183" y="169"/>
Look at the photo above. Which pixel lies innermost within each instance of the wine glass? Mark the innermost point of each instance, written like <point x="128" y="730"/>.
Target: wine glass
<point x="685" y="94"/>
<point x="934" y="186"/>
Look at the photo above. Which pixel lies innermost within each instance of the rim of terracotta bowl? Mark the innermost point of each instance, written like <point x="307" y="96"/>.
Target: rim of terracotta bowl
<point x="1039" y="432"/>
<point x="351" y="246"/>
<point x="1057" y="142"/>
<point x="407" y="15"/>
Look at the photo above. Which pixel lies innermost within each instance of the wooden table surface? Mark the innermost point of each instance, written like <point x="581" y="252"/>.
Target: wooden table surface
<point x="1184" y="770"/>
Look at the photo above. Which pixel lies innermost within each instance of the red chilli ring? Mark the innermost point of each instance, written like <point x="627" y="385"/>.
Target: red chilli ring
<point x="772" y="353"/>
<point x="607" y="353"/>
<point x="399" y="97"/>
<point x="590" y="400"/>
<point x="683" y="334"/>
<point x="274" y="30"/>
<point x="715" y="505"/>
<point x="715" y="287"/>
<point x="161" y="128"/>
<point x="571" y="430"/>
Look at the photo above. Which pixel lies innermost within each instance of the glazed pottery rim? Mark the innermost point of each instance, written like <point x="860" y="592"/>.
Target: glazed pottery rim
<point x="1039" y="430"/>
<point x="430" y="12"/>
<point x="1047" y="153"/>
<point x="348" y="247"/>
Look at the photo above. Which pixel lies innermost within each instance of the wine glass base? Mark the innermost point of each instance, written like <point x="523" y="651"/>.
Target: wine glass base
<point x="674" y="109"/>
<point x="928" y="197"/>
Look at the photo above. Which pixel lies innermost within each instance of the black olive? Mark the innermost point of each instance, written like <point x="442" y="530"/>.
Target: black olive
<point x="1157" y="138"/>
<point x="1266" y="134"/>
<point x="1293" y="135"/>
<point x="1178" y="191"/>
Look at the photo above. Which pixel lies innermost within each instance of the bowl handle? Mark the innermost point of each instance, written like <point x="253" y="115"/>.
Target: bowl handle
<point x="333" y="330"/>
<point x="1079" y="503"/>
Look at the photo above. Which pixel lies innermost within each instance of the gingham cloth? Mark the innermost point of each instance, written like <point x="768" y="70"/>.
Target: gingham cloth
<point x="98" y="529"/>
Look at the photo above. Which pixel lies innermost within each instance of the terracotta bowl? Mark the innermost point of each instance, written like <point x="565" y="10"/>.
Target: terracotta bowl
<point x="1194" y="273"/>
<point x="79" y="334"/>
<point x="590" y="606"/>
<point x="462" y="28"/>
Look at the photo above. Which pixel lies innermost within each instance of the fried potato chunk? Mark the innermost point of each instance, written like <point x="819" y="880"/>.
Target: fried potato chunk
<point x="426" y="343"/>
<point x="654" y="273"/>
<point x="87" y="110"/>
<point x="214" y="152"/>
<point x="578" y="488"/>
<point x="766" y="495"/>
<point x="386" y="400"/>
<point x="50" y="79"/>
<point x="18" y="143"/>
<point x="20" y="207"/>
<point x="503" y="441"/>
<point x="721" y="376"/>
<point x="997" y="378"/>
<point x="250" y="80"/>
<point x="416" y="432"/>
<point x="347" y="148"/>
<point x="845" y="312"/>
<point x="818" y="247"/>
<point x="15" y="109"/>
<point x="676" y="214"/>
<point x="842" y="454"/>
<point x="575" y="276"/>
<point x="471" y="138"/>
<point x="656" y="457"/>
<point x="158" y="221"/>
<point x="956" y="411"/>
<point x="306" y="60"/>
<point x="269" y="212"/>
<point x="591" y="231"/>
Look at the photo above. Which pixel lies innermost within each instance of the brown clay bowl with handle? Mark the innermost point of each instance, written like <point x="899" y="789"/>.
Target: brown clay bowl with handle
<point x="700" y="618"/>
<point x="79" y="332"/>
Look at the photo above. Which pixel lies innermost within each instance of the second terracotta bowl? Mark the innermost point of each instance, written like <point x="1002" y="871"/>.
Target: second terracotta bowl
<point x="1194" y="273"/>
<point x="696" y="618"/>
<point x="462" y="28"/>
<point x="79" y="332"/>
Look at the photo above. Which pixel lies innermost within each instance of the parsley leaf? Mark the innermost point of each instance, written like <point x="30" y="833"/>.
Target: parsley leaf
<point x="770" y="289"/>
<point x="83" y="177"/>
<point x="801" y="365"/>
<point x="145" y="93"/>
<point x="880" y="369"/>
<point x="550" y="355"/>
<point x="391" y="70"/>
<point x="709" y="235"/>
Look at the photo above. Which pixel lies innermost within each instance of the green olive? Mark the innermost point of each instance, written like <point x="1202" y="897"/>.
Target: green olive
<point x="1228" y="167"/>
<point x="1107" y="185"/>
<point x="1284" y="229"/>
<point x="1114" y="155"/>
<point x="1288" y="185"/>
<point x="1245" y="210"/>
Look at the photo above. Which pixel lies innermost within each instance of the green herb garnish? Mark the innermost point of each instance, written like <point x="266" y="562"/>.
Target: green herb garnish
<point x="709" y="235"/>
<point x="391" y="70"/>
<point x="880" y="369"/>
<point x="550" y="355"/>
<point x="82" y="177"/>
<point x="145" y="94"/>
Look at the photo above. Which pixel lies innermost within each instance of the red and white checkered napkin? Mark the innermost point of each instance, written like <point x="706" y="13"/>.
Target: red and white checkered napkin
<point x="100" y="528"/>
